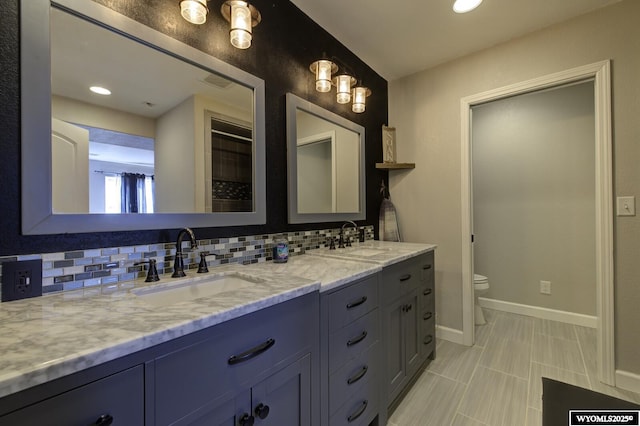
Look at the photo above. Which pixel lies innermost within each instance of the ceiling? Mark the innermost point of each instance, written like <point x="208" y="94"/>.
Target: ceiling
<point x="401" y="37"/>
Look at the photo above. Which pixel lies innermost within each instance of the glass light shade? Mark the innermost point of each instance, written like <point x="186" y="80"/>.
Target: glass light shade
<point x="464" y="6"/>
<point x="323" y="75"/>
<point x="359" y="99"/>
<point x="343" y="84"/>
<point x="194" y="11"/>
<point x="240" y="34"/>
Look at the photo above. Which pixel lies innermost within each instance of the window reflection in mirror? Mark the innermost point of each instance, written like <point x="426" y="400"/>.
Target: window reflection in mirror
<point x="151" y="138"/>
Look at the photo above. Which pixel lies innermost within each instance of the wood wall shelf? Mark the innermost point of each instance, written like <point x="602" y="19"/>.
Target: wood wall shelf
<point x="391" y="166"/>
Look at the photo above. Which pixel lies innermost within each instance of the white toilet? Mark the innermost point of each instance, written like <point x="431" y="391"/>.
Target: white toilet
<point x="480" y="287"/>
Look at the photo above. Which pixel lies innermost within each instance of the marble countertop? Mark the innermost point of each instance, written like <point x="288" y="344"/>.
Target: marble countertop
<point x="382" y="253"/>
<point x="331" y="272"/>
<point x="48" y="337"/>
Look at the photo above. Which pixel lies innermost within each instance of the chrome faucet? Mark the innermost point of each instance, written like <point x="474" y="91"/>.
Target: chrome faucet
<point x="178" y="264"/>
<point x="341" y="243"/>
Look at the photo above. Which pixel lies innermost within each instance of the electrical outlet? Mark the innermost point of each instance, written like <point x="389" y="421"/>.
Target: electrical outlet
<point x="545" y="287"/>
<point x="21" y="279"/>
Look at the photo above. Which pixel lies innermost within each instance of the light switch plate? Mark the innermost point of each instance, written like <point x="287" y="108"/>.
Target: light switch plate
<point x="626" y="206"/>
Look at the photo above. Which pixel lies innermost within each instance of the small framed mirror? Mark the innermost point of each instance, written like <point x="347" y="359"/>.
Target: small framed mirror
<point x="325" y="157"/>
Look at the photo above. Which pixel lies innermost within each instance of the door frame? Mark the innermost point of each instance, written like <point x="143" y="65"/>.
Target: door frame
<point x="600" y="73"/>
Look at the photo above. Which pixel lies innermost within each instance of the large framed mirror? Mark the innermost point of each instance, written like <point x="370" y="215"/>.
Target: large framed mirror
<point x="325" y="156"/>
<point x="180" y="141"/>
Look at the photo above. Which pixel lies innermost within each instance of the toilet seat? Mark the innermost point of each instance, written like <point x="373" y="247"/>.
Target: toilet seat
<point x="480" y="282"/>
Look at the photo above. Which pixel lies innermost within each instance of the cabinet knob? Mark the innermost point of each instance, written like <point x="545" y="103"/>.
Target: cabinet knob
<point x="407" y="308"/>
<point x="262" y="411"/>
<point x="104" y="420"/>
<point x="246" y="420"/>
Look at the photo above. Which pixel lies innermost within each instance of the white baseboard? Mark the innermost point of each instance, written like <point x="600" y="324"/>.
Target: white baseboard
<point x="449" y="334"/>
<point x="538" y="312"/>
<point x="628" y="381"/>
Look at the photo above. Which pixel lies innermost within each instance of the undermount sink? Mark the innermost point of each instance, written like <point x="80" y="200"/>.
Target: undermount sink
<point x="184" y="291"/>
<point x="366" y="252"/>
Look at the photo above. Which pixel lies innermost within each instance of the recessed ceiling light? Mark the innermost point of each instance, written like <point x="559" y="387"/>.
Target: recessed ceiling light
<point x="100" y="90"/>
<point x="464" y="6"/>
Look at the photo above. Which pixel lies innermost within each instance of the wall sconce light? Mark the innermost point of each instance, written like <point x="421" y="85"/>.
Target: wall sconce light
<point x="360" y="94"/>
<point x="323" y="69"/>
<point x="194" y="11"/>
<point x="243" y="17"/>
<point x="343" y="83"/>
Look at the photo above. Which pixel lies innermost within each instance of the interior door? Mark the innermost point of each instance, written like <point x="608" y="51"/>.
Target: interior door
<point x="70" y="167"/>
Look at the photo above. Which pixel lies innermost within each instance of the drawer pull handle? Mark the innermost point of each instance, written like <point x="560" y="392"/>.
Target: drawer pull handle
<point x="246" y="420"/>
<point x="262" y="411"/>
<point x="358" y="303"/>
<point x="358" y="339"/>
<point x="427" y="291"/>
<point x="251" y="353"/>
<point x="427" y="316"/>
<point x="428" y="339"/>
<point x="104" y="420"/>
<point x="425" y="267"/>
<point x="405" y="277"/>
<point x="358" y="413"/>
<point x="359" y="375"/>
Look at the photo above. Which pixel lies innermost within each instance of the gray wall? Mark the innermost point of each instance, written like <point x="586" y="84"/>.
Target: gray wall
<point x="534" y="197"/>
<point x="425" y="109"/>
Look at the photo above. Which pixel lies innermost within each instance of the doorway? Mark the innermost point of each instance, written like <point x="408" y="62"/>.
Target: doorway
<point x="600" y="75"/>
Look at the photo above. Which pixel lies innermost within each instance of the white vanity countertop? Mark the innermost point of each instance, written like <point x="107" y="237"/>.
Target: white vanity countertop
<point x="331" y="272"/>
<point x="382" y="253"/>
<point x="44" y="338"/>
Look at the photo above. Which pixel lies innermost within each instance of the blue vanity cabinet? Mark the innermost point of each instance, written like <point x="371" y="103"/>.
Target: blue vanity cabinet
<point x="350" y="355"/>
<point x="404" y="332"/>
<point x="260" y="367"/>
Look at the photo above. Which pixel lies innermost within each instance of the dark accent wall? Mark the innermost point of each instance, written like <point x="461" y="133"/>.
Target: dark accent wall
<point x="284" y="44"/>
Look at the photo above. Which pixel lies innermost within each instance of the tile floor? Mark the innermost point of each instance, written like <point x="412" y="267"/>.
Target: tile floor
<point x="497" y="382"/>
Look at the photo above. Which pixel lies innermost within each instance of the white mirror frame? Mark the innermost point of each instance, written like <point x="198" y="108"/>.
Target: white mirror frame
<point x="37" y="213"/>
<point x="295" y="103"/>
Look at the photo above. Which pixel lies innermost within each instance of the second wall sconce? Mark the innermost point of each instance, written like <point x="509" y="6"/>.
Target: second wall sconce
<point x="324" y="69"/>
<point x="240" y="14"/>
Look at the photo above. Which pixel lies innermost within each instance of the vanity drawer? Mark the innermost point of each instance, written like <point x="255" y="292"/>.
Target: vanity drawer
<point x="400" y="278"/>
<point x="353" y="376"/>
<point x="360" y="409"/>
<point x="351" y="303"/>
<point x="233" y="354"/>
<point x="352" y="340"/>
<point x="119" y="397"/>
<point x="427" y="332"/>
<point x="427" y="267"/>
<point x="427" y="298"/>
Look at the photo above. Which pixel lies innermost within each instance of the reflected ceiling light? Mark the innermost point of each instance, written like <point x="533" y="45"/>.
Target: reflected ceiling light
<point x="360" y="94"/>
<point x="323" y="69"/>
<point x="100" y="90"/>
<point x="243" y="17"/>
<point x="194" y="11"/>
<point x="464" y="6"/>
<point x="343" y="84"/>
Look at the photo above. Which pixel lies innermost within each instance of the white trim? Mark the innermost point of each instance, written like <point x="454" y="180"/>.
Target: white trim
<point x="600" y="73"/>
<point x="628" y="381"/>
<point x="449" y="334"/>
<point x="538" y="312"/>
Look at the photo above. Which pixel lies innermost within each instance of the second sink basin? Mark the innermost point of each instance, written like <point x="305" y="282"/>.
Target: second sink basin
<point x="366" y="252"/>
<point x="185" y="291"/>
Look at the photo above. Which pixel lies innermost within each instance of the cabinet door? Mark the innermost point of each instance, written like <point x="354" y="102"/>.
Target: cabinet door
<point x="395" y="351"/>
<point x="223" y="413"/>
<point x="285" y="397"/>
<point x="412" y="327"/>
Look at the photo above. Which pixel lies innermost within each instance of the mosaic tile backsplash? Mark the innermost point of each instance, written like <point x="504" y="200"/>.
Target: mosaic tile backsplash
<point x="72" y="270"/>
